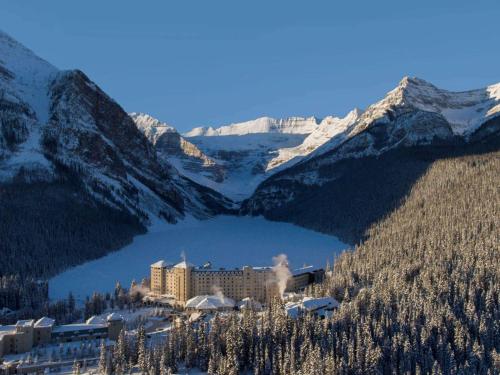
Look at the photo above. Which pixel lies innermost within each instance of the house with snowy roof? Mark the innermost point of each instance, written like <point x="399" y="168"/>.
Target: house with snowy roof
<point x="210" y="303"/>
<point x="322" y="306"/>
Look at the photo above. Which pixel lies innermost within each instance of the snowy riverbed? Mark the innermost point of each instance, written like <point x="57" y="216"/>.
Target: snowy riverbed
<point x="226" y="241"/>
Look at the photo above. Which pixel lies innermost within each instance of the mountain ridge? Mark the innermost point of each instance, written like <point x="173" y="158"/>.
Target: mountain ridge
<point x="402" y="102"/>
<point x="396" y="132"/>
<point x="288" y="125"/>
<point x="265" y="147"/>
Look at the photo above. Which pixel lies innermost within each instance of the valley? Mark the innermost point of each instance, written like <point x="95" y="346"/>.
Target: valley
<point x="63" y="137"/>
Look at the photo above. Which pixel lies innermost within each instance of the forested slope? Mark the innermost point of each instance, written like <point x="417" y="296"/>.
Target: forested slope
<point x="425" y="286"/>
<point x="49" y="226"/>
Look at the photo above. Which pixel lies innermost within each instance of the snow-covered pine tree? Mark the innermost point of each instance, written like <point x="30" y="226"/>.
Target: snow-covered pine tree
<point x="103" y="361"/>
<point x="119" y="354"/>
<point x="202" y="347"/>
<point x="191" y="345"/>
<point x="141" y="351"/>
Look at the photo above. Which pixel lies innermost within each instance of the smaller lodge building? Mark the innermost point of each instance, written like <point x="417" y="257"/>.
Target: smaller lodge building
<point x="26" y="334"/>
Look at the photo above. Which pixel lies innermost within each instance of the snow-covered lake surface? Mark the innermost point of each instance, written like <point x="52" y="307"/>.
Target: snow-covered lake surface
<point x="226" y="241"/>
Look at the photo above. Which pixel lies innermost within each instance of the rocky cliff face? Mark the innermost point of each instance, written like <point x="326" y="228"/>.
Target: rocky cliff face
<point x="60" y="132"/>
<point x="176" y="150"/>
<point x="51" y="117"/>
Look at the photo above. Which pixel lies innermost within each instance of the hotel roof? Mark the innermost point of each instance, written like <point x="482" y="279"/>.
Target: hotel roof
<point x="209" y="302"/>
<point x="161" y="264"/>
<point x="5" y="330"/>
<point x="311" y="304"/>
<point x="184" y="264"/>
<point x="25" y="323"/>
<point x="96" y="320"/>
<point x="44" y="322"/>
<point x="114" y="317"/>
<point x="305" y="269"/>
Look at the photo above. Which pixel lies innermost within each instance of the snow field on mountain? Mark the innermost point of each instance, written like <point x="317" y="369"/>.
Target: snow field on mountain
<point x="226" y="241"/>
<point x="291" y="125"/>
<point x="245" y="159"/>
<point x="31" y="75"/>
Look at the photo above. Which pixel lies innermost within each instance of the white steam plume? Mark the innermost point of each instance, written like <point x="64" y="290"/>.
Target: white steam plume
<point x="281" y="272"/>
<point x="141" y="289"/>
<point x="217" y="291"/>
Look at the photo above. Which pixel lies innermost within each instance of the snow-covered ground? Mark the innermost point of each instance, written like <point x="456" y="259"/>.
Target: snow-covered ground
<point x="226" y="241"/>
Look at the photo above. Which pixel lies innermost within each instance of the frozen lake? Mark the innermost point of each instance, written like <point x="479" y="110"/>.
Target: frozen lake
<point x="226" y="241"/>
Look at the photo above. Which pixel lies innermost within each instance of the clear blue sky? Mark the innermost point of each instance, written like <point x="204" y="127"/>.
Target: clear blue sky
<point x="212" y="62"/>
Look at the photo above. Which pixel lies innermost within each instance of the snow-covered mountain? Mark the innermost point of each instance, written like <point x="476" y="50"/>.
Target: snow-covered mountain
<point x="24" y="103"/>
<point x="413" y="116"/>
<point x="246" y="150"/>
<point x="291" y="125"/>
<point x="56" y="122"/>
<point x="244" y="159"/>
<point x="464" y="111"/>
<point x="252" y="151"/>
<point x="152" y="128"/>
<point x="176" y="150"/>
<point x="234" y="159"/>
<point x="414" y="113"/>
<point x="328" y="128"/>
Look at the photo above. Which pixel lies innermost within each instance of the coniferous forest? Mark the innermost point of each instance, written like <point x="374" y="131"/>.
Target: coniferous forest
<point x="420" y="296"/>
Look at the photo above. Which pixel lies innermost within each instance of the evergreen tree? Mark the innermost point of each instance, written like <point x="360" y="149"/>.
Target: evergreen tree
<point x="141" y="351"/>
<point x="103" y="360"/>
<point x="119" y="354"/>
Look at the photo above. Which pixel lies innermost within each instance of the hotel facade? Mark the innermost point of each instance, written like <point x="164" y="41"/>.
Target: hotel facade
<point x="184" y="281"/>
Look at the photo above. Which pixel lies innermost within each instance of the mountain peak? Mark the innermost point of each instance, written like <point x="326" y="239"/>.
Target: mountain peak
<point x="407" y="81"/>
<point x="25" y="76"/>
<point x="20" y="60"/>
<point x="463" y="110"/>
<point x="145" y="120"/>
<point x="410" y="87"/>
<point x="494" y="91"/>
<point x="355" y="113"/>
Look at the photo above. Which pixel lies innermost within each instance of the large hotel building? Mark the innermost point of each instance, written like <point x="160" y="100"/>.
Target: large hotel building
<point x="184" y="281"/>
